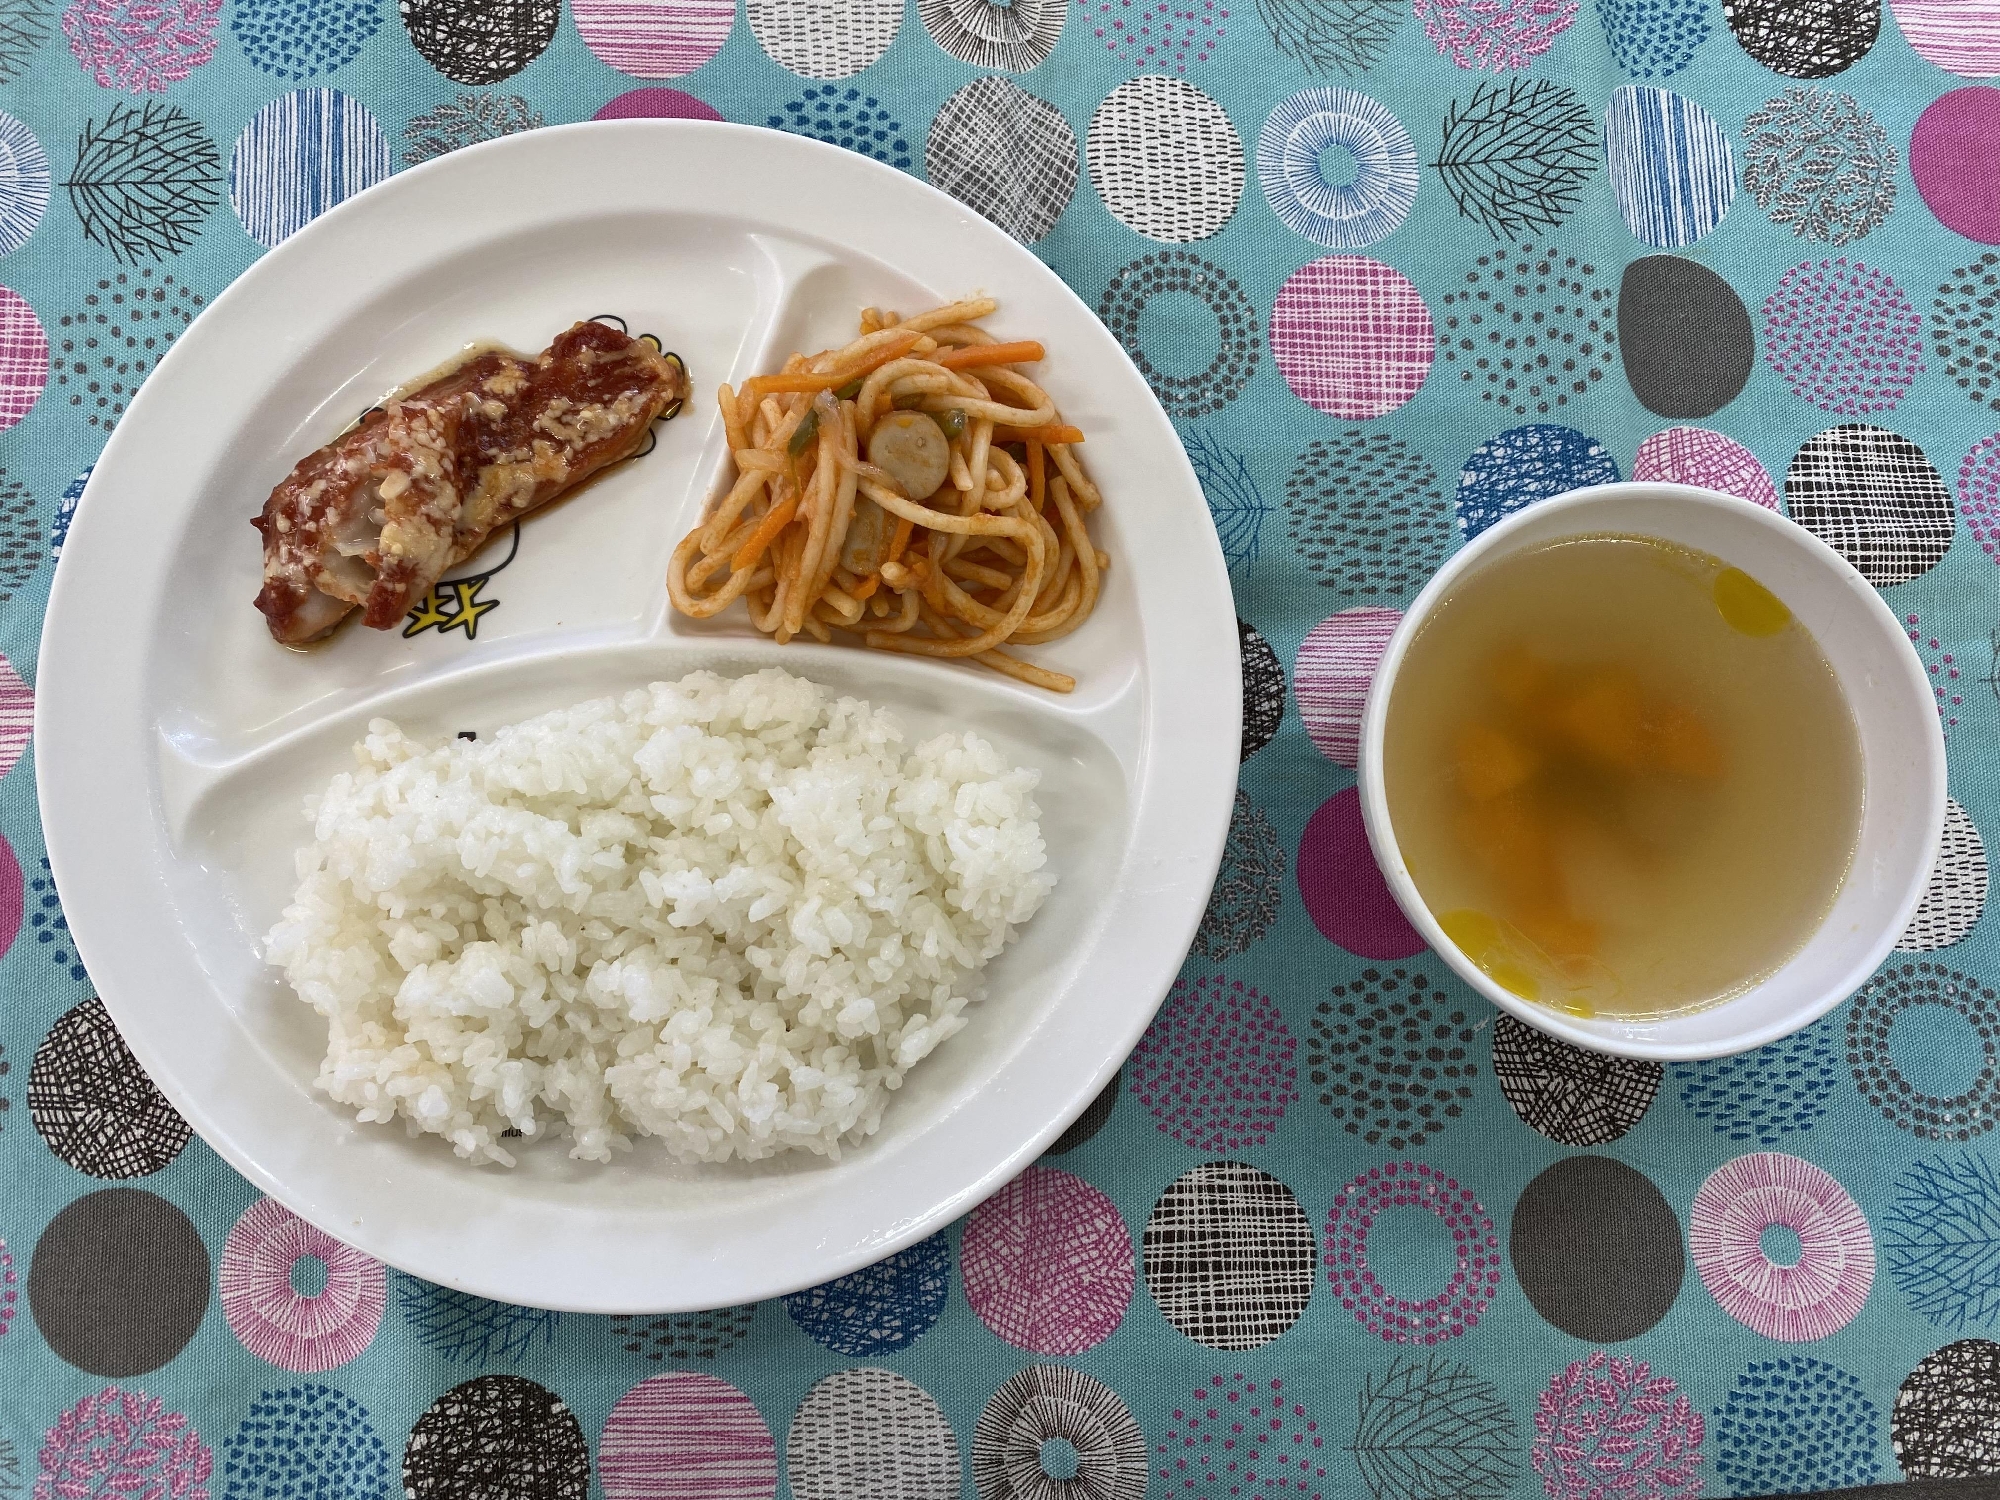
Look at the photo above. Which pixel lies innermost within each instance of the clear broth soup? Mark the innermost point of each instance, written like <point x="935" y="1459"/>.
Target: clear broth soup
<point x="1622" y="776"/>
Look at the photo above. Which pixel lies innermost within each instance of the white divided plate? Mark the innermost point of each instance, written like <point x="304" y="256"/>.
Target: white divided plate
<point x="175" y="742"/>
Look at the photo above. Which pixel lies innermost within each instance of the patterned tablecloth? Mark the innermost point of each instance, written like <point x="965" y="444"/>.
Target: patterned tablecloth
<point x="1396" y="268"/>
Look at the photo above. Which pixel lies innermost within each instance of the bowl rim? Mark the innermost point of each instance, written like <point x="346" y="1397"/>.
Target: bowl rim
<point x="1381" y="835"/>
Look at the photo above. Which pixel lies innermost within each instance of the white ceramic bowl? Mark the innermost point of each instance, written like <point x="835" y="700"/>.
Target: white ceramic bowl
<point x="1902" y="748"/>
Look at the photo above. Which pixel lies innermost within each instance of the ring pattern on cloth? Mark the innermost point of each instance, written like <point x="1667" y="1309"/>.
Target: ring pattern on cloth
<point x="1699" y="456"/>
<point x="497" y="1435"/>
<point x="1229" y="1255"/>
<point x="1684" y="335"/>
<point x="94" y="1106"/>
<point x="683" y="1436"/>
<point x="1048" y="1263"/>
<point x="303" y="1332"/>
<point x="847" y="118"/>
<point x="1004" y="154"/>
<point x="870" y="1432"/>
<point x="1946" y="1420"/>
<point x="1050" y="1403"/>
<point x="1475" y="1277"/>
<point x="1012" y="38"/>
<point x="1165" y="159"/>
<point x="141" y="46"/>
<point x="1222" y="380"/>
<point x="1875" y="1010"/>
<point x="1352" y="336"/>
<point x="1823" y="1291"/>
<point x="1956" y="894"/>
<point x="1653" y="38"/>
<point x="466" y="121"/>
<point x="881" y="1307"/>
<point x="1572" y="1096"/>
<point x="834" y="39"/>
<point x="1352" y="214"/>
<point x="304" y="1429"/>
<point x="1673" y="173"/>
<point x="1872" y="496"/>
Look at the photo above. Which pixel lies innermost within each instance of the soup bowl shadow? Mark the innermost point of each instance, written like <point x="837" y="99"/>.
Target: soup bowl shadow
<point x="1895" y="715"/>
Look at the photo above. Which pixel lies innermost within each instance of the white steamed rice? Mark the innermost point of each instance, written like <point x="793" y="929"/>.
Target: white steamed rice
<point x="731" y="914"/>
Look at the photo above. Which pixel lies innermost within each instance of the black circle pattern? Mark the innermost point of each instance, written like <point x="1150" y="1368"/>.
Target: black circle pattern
<point x="93" y="1104"/>
<point x="1531" y="327"/>
<point x="1572" y="1096"/>
<point x="497" y="1437"/>
<point x="1004" y="154"/>
<point x="1805" y="38"/>
<point x="1901" y="987"/>
<point x="1946" y="1420"/>
<point x="1092" y="1120"/>
<point x="100" y="353"/>
<point x="119" y="1282"/>
<point x="1263" y="689"/>
<point x="480" y="41"/>
<point x="1597" y="1249"/>
<point x="1047" y="1403"/>
<point x="1367" y="516"/>
<point x="1239" y="337"/>
<point x="1391" y="1054"/>
<point x="1872" y="496"/>
<point x="1249" y="887"/>
<point x="1230" y="1257"/>
<point x="683" y="1337"/>
<point x="1965" y="328"/>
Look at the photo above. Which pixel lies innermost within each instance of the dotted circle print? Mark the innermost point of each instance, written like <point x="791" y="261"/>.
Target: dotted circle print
<point x="1048" y="1263"/>
<point x="879" y="1308"/>
<point x="1684" y="335"/>
<point x="1900" y="988"/>
<point x="299" y="156"/>
<point x="1950" y="159"/>
<point x="120" y="1442"/>
<point x="1965" y="329"/>
<point x="1956" y="893"/>
<point x="1085" y="1126"/>
<point x="1531" y="329"/>
<point x="118" y="1282"/>
<point x="20" y="559"/>
<point x="1160" y="34"/>
<point x="1960" y="36"/>
<point x="1607" y="1425"/>
<point x="24" y="358"/>
<point x="1941" y="1237"/>
<point x="654" y="38"/>
<point x="1765" y="1095"/>
<point x="1332" y="672"/>
<point x="1216" y="1068"/>
<point x="656" y="104"/>
<point x="1046" y="1404"/>
<point x="1343" y="889"/>
<point x="1942" y="668"/>
<point x="1229" y="1255"/>
<point x="1572" y="1096"/>
<point x="94" y="1106"/>
<point x="870" y="1432"/>
<point x="1263" y="689"/>
<point x="1351" y="336"/>
<point x="827" y="39"/>
<point x="10" y="1294"/>
<point x="1979" y="494"/>
<point x="1843" y="336"/>
<point x="1495" y="35"/>
<point x="141" y="46"/>
<point x="1872" y="496"/>
<point x="1673" y="174"/>
<point x="1697" y="456"/>
<point x="480" y="42"/>
<point x="24" y="183"/>
<point x="686" y="1437"/>
<point x="1165" y="159"/>
<point x="1514" y="469"/>
<point x="295" y="39"/>
<point x="1347" y="215"/>
<point x="1004" y="154"/>
<point x="847" y="118"/>
<point x="304" y="1429"/>
<point x="1819" y="1293"/>
<point x="1793" y="1425"/>
<point x="1012" y="38"/>
<point x="106" y="347"/>
<point x="269" y="1314"/>
<point x="1210" y="1443"/>
<point x="1819" y="165"/>
<point x="1392" y="1053"/>
<point x="683" y="1336"/>
<point x="1653" y="38"/>
<point x="497" y="1437"/>
<point x="1475" y="1276"/>
<point x="1805" y="38"/>
<point x="1634" y="1265"/>
<point x="1249" y="887"/>
<point x="1946" y="1420"/>
<point x="1367" y="516"/>
<point x="1234" y="332"/>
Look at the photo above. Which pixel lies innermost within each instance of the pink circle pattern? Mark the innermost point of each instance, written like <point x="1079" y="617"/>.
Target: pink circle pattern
<point x="13" y="896"/>
<point x="1836" y="1265"/>
<point x="1342" y="886"/>
<point x="280" y="1324"/>
<point x="1162" y="34"/>
<point x="1943" y="669"/>
<point x="654" y="38"/>
<point x="24" y="357"/>
<point x="1608" y="1428"/>
<point x="141" y="46"/>
<point x="1239" y="1438"/>
<point x="1217" y="1067"/>
<point x="1331" y="674"/>
<point x="684" y="1436"/>
<point x="657" y="104"/>
<point x="123" y="1443"/>
<point x="1843" y="336"/>
<point x="1398" y="1320"/>
<point x="1695" y="455"/>
<point x="1352" y="336"/>
<point x="1979" y="494"/>
<point x="10" y="1291"/>
<point x="1494" y="35"/>
<point x="1048" y="1263"/>
<point x="1951" y="159"/>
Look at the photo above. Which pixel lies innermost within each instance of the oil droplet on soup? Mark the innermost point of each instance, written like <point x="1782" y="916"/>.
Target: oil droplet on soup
<point x="1622" y="775"/>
